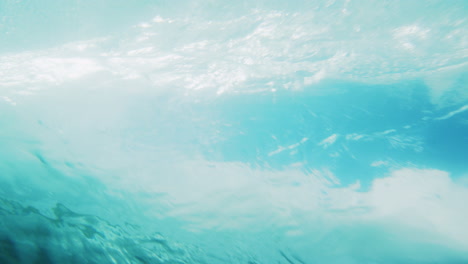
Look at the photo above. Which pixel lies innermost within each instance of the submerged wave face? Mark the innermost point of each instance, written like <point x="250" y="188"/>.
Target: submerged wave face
<point x="68" y="237"/>
<point x="234" y="132"/>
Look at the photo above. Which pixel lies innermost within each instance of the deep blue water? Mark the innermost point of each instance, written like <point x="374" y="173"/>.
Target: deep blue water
<point x="233" y="132"/>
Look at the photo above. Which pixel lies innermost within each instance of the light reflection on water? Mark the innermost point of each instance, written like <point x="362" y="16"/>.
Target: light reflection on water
<point x="329" y="132"/>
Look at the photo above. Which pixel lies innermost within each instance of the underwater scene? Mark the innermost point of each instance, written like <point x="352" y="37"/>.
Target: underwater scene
<point x="243" y="132"/>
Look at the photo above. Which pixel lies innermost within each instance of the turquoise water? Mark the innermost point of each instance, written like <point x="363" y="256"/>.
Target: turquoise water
<point x="233" y="132"/>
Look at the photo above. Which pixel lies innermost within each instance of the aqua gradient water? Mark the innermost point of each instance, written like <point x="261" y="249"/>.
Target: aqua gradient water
<point x="250" y="132"/>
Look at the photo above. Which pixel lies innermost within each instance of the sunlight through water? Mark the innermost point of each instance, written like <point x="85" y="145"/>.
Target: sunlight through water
<point x="244" y="132"/>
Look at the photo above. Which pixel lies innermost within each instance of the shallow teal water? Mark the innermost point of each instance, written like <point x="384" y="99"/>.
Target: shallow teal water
<point x="233" y="132"/>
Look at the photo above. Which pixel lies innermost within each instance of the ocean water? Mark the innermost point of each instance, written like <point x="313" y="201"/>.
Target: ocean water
<point x="253" y="132"/>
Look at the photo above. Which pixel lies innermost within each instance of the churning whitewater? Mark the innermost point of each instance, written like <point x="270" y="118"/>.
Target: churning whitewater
<point x="205" y="132"/>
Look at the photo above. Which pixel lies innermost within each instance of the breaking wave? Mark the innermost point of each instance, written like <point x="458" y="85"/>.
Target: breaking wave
<point x="233" y="132"/>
